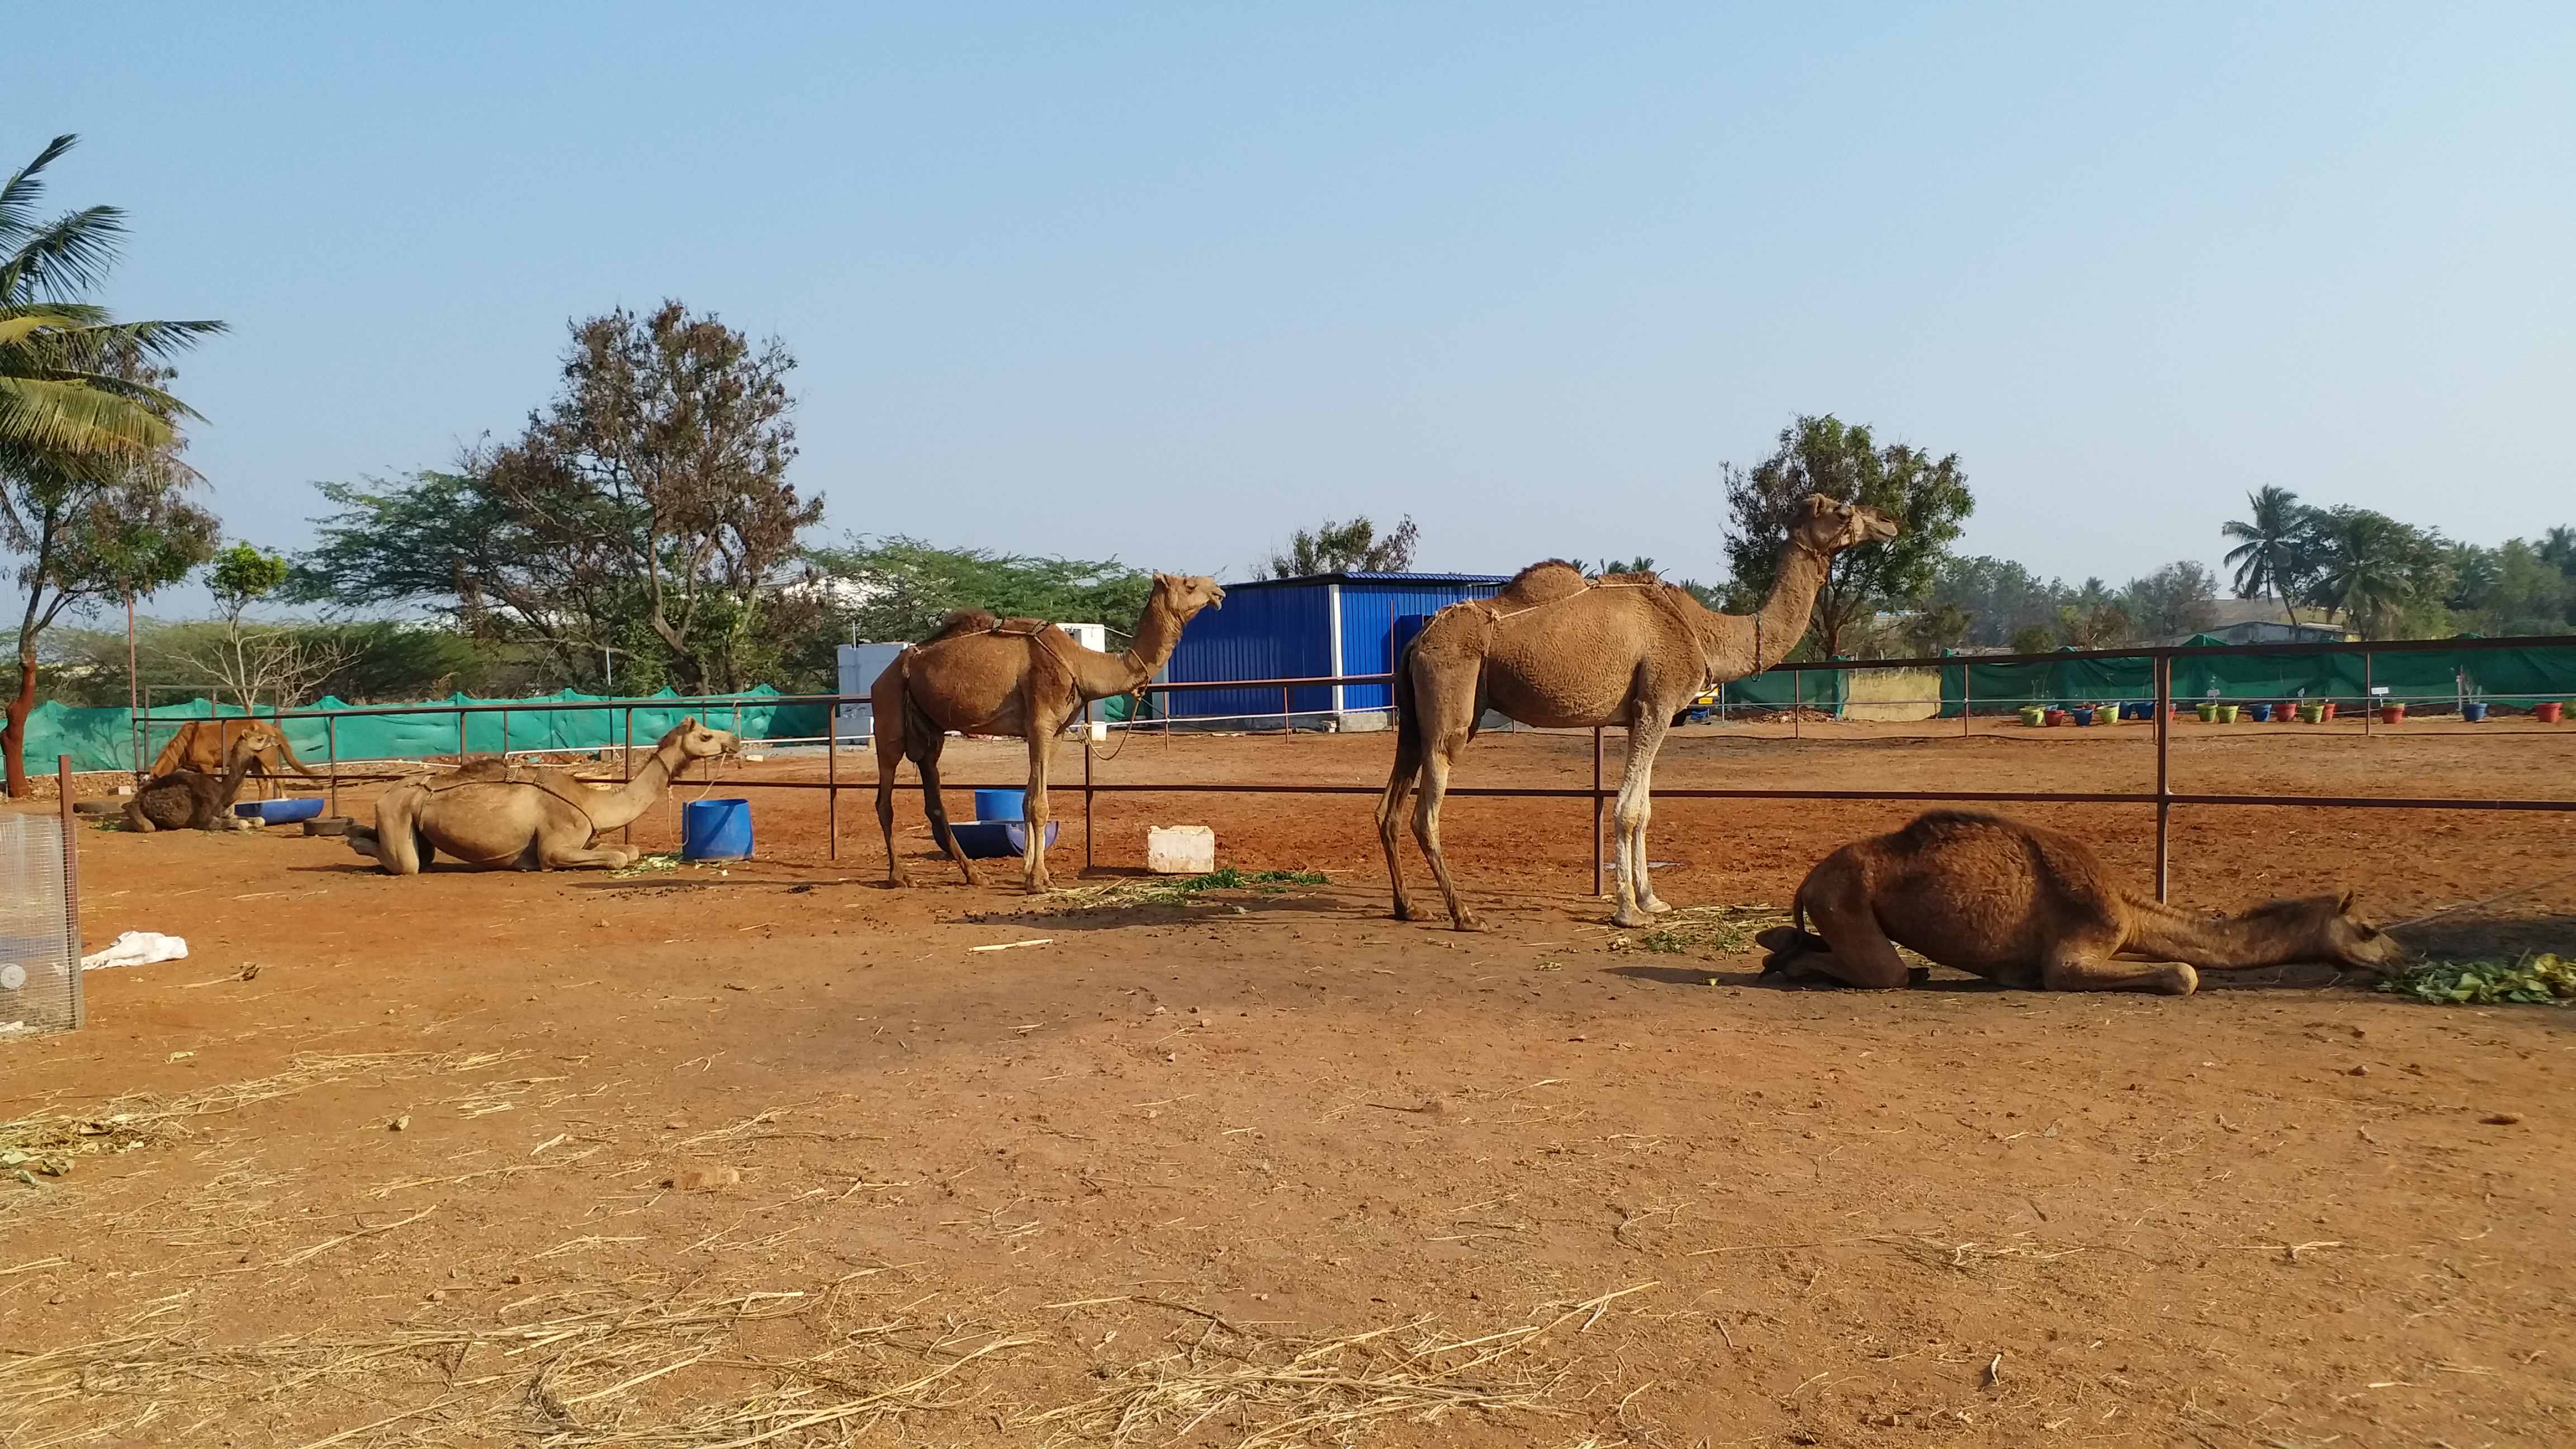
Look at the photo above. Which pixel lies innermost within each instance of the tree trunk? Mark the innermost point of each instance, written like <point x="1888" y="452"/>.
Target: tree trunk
<point x="13" y="739"/>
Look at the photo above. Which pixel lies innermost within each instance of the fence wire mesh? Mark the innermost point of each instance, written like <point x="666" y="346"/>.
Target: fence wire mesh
<point x="39" y="959"/>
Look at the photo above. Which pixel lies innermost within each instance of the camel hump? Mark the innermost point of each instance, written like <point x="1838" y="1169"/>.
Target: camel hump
<point x="1639" y="579"/>
<point x="964" y="621"/>
<point x="1543" y="582"/>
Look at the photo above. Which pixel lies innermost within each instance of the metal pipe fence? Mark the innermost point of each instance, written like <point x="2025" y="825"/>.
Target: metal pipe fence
<point x="2164" y="798"/>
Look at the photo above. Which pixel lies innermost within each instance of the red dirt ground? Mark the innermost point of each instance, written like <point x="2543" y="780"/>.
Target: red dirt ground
<point x="1094" y="1187"/>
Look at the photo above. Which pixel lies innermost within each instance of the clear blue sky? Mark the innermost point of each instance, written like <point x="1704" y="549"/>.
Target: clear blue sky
<point x="1167" y="282"/>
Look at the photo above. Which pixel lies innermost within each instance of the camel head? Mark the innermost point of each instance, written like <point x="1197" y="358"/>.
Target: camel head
<point x="697" y="742"/>
<point x="1829" y="526"/>
<point x="2325" y="928"/>
<point x="1186" y="594"/>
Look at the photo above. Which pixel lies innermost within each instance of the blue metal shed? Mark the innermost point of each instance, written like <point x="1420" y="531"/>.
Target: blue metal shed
<point x="1305" y="628"/>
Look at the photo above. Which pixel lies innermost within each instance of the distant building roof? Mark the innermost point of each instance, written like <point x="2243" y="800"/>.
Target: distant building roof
<point x="1345" y="577"/>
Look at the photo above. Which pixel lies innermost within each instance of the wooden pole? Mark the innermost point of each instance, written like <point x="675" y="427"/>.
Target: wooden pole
<point x="331" y="746"/>
<point x="832" y="777"/>
<point x="1086" y="784"/>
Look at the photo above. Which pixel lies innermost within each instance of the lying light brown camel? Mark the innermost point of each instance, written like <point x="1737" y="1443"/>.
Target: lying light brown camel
<point x="2037" y="910"/>
<point x="1556" y="651"/>
<point x="204" y="745"/>
<point x="185" y="799"/>
<point x="493" y="816"/>
<point x="986" y="676"/>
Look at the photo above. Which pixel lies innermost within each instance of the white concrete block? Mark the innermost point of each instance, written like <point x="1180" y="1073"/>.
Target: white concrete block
<point x="1180" y="849"/>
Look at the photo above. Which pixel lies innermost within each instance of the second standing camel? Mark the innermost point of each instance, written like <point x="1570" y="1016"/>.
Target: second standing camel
<point x="1558" y="652"/>
<point x="986" y="676"/>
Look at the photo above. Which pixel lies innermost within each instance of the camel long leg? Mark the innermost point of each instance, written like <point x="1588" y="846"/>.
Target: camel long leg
<point x="1437" y="760"/>
<point x="1645" y="736"/>
<point x="935" y="804"/>
<point x="136" y="820"/>
<point x="2077" y="970"/>
<point x="1390" y="808"/>
<point x="1042" y="728"/>
<point x="1410" y="729"/>
<point x="399" y="848"/>
<point x="1836" y="903"/>
<point x="888" y="731"/>
<point x="607" y="857"/>
<point x="1641" y="859"/>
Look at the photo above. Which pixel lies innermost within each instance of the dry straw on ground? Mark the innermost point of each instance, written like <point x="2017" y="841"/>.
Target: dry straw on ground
<point x="1280" y="1392"/>
<point x="660" y="1372"/>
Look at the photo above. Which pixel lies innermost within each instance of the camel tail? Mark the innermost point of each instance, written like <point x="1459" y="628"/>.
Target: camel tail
<point x="287" y="752"/>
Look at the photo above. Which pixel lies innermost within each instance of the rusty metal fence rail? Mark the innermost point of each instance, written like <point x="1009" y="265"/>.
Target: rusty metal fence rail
<point x="2164" y="799"/>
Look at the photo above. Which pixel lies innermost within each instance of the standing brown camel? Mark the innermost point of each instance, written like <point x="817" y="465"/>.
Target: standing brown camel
<point x="1026" y="677"/>
<point x="203" y="745"/>
<point x="1557" y="652"/>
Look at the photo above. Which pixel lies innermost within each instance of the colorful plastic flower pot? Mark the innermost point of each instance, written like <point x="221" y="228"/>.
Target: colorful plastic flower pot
<point x="2227" y="714"/>
<point x="2208" y="713"/>
<point x="2475" y="711"/>
<point x="2392" y="713"/>
<point x="2548" y="713"/>
<point x="2032" y="715"/>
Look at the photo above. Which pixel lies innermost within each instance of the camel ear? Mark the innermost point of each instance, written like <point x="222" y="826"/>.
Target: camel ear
<point x="2344" y="904"/>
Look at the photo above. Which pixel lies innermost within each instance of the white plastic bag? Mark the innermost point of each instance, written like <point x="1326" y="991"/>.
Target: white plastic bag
<point x="136" y="948"/>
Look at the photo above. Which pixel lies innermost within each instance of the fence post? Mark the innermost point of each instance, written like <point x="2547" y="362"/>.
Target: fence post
<point x="1967" y="698"/>
<point x="2369" y="701"/>
<point x="1596" y="810"/>
<point x="331" y="746"/>
<point x="71" y="880"/>
<point x="832" y="777"/>
<point x="1086" y="784"/>
<point x="626" y="769"/>
<point x="505" y="737"/>
<point x="2164" y="801"/>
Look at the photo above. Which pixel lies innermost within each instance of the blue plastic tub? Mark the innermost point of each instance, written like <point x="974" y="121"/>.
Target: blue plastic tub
<point x="2474" y="711"/>
<point x="715" y="830"/>
<point x="2262" y="713"/>
<point x="989" y="839"/>
<point x="1001" y="805"/>
<point x="279" y="812"/>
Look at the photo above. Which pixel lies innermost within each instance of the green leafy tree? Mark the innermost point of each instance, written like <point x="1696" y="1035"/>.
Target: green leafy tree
<point x="1824" y="455"/>
<point x="2375" y="571"/>
<point x="641" y="530"/>
<point x="2000" y="598"/>
<point x="2275" y="541"/>
<point x="92" y="503"/>
<point x="1353" y="547"/>
<point x="902" y="588"/>
<point x="2176" y="600"/>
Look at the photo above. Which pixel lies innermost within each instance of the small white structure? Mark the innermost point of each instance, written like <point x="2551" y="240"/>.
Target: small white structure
<point x="1180" y="849"/>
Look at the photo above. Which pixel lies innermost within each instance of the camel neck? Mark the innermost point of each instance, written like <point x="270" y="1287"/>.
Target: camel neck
<point x="1158" y="633"/>
<point x="2220" y="942"/>
<point x="1742" y="644"/>
<point x="624" y="804"/>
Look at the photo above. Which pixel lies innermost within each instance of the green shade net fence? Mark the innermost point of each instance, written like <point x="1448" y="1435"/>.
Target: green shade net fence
<point x="103" y="739"/>
<point x="2431" y="679"/>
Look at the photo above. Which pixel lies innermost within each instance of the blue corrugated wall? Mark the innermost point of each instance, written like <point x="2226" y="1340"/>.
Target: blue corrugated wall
<point x="1283" y="631"/>
<point x="1266" y="633"/>
<point x="1369" y="612"/>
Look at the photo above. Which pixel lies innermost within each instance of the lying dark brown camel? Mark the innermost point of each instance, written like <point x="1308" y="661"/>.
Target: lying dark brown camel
<point x="2037" y="909"/>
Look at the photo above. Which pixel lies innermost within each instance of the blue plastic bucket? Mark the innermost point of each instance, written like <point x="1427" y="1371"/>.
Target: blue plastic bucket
<point x="2082" y="716"/>
<point x="2474" y="711"/>
<point x="2262" y="713"/>
<point x="715" y="830"/>
<point x="1001" y="805"/>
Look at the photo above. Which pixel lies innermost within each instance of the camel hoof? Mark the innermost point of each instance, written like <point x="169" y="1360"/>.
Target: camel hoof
<point x="1467" y="921"/>
<point x="1631" y="919"/>
<point x="2182" y="982"/>
<point x="1658" y="907"/>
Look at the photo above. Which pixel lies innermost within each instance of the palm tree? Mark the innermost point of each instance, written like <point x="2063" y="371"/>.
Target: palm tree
<point x="2272" y="558"/>
<point x="77" y="388"/>
<point x="2366" y="566"/>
